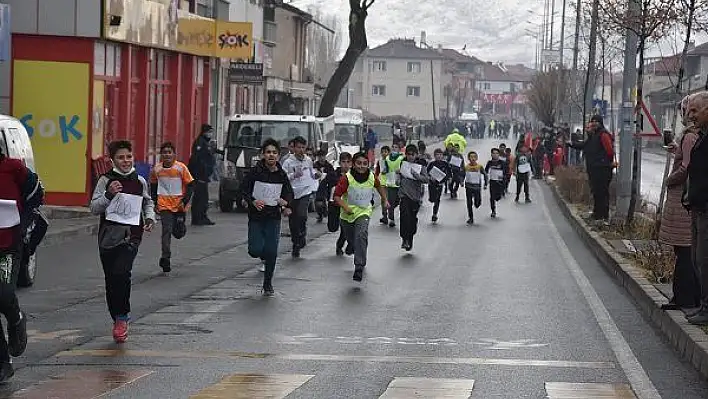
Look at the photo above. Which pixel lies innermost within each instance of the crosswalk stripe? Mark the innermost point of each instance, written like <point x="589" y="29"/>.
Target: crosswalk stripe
<point x="413" y="387"/>
<point x="83" y="384"/>
<point x="567" y="390"/>
<point x="254" y="386"/>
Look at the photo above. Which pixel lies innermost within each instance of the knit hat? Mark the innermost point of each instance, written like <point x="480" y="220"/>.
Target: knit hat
<point x="597" y="119"/>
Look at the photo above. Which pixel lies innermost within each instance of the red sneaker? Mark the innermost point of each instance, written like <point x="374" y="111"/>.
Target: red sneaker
<point x="120" y="331"/>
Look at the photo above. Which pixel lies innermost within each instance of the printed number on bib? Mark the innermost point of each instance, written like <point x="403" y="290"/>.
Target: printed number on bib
<point x="171" y="186"/>
<point x="360" y="197"/>
<point x="525" y="168"/>
<point x="496" y="174"/>
<point x="269" y="193"/>
<point x="473" y="178"/>
<point x="455" y="161"/>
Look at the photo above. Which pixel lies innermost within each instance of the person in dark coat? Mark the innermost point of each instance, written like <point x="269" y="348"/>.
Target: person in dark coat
<point x="201" y="166"/>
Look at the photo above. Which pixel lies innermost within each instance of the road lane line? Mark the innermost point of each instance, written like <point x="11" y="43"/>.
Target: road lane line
<point x="637" y="376"/>
<point x="84" y="384"/>
<point x="117" y="353"/>
<point x="414" y="387"/>
<point x="566" y="390"/>
<point x="251" y="386"/>
<point x="207" y="313"/>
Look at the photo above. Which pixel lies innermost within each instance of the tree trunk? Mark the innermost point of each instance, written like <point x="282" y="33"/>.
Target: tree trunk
<point x="634" y="198"/>
<point x="590" y="75"/>
<point x="674" y="117"/>
<point x="358" y="11"/>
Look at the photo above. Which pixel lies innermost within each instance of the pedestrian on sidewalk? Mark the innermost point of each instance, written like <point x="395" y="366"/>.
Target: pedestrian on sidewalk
<point x="302" y="174"/>
<point x="267" y="193"/>
<point x="697" y="199"/>
<point x="675" y="227"/>
<point x="392" y="165"/>
<point x="171" y="187"/>
<point x="201" y="165"/>
<point x="523" y="168"/>
<point x="411" y="196"/>
<point x="122" y="199"/>
<point x="353" y="195"/>
<point x="474" y="175"/>
<point x="496" y="171"/>
<point x="435" y="187"/>
<point x="21" y="193"/>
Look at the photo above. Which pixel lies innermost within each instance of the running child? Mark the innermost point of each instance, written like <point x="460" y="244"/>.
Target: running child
<point x="392" y="164"/>
<point x="120" y="234"/>
<point x="474" y="174"/>
<point x="353" y="195"/>
<point x="457" y="172"/>
<point x="524" y="170"/>
<point x="411" y="195"/>
<point x="497" y="171"/>
<point x="503" y="158"/>
<point x="435" y="187"/>
<point x="171" y="186"/>
<point x="330" y="182"/>
<point x="510" y="158"/>
<point x="267" y="193"/>
<point x="322" y="196"/>
<point x="385" y="152"/>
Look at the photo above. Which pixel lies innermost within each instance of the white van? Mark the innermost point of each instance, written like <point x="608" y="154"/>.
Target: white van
<point x="15" y="143"/>
<point x="349" y="129"/>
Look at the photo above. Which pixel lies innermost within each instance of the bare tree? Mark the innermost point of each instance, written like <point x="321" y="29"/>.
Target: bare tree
<point x="358" y="11"/>
<point x="541" y="95"/>
<point x="649" y="20"/>
<point x="323" y="44"/>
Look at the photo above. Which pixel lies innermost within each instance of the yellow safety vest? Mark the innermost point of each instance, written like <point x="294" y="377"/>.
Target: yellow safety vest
<point x="358" y="197"/>
<point x="391" y="168"/>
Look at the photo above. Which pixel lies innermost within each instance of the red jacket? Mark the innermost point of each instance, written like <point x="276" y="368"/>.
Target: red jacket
<point x="13" y="175"/>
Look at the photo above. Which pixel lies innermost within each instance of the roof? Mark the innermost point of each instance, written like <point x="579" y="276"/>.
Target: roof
<point x="456" y="56"/>
<point x="295" y="10"/>
<point x="402" y="48"/>
<point x="665" y="66"/>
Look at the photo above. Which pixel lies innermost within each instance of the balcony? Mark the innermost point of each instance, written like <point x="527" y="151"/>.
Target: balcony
<point x="270" y="33"/>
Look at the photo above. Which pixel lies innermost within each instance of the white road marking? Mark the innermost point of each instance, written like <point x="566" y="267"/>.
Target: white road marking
<point x="637" y="376"/>
<point x="207" y="313"/>
<point x="417" y="387"/>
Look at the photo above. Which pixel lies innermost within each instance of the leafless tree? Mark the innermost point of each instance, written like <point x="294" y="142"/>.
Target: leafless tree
<point x="358" y="11"/>
<point x="323" y="45"/>
<point x="541" y="95"/>
<point x="649" y="20"/>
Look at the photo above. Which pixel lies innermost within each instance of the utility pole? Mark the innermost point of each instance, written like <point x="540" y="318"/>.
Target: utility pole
<point x="552" y="14"/>
<point x="576" y="50"/>
<point x="561" y="67"/>
<point x="629" y="77"/>
<point x="590" y="76"/>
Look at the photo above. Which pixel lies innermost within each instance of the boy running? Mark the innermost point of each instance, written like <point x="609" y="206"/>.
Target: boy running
<point x="171" y="186"/>
<point x="322" y="195"/>
<point x="474" y="174"/>
<point x="353" y="194"/>
<point x="435" y="187"/>
<point x="411" y="196"/>
<point x="456" y="169"/>
<point x="267" y="193"/>
<point x="497" y="171"/>
<point x="385" y="152"/>
<point x="524" y="170"/>
<point x="392" y="165"/>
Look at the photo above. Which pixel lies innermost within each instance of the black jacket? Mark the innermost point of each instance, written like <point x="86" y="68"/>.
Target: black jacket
<point x="262" y="174"/>
<point x="202" y="161"/>
<point x="698" y="175"/>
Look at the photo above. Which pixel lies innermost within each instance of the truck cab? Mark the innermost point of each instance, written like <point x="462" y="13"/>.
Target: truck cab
<point x="242" y="146"/>
<point x="349" y="129"/>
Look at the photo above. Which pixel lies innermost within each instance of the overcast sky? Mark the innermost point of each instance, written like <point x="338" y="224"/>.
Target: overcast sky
<point x="493" y="30"/>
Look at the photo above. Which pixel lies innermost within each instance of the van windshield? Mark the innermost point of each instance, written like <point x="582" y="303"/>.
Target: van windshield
<point x="346" y="133"/>
<point x="254" y="133"/>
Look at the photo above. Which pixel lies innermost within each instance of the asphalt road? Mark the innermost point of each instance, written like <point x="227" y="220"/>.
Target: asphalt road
<point x="509" y="308"/>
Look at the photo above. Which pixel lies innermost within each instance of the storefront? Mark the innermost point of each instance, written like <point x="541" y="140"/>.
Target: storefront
<point x="147" y="89"/>
<point x="245" y="92"/>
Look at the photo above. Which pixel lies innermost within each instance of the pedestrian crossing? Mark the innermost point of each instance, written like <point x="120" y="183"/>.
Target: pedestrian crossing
<point x="100" y="383"/>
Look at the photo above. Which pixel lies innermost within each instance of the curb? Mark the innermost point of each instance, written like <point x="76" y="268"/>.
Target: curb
<point x="688" y="340"/>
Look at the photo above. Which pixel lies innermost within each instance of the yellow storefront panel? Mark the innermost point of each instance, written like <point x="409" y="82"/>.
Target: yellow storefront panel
<point x="234" y="40"/>
<point x="52" y="99"/>
<point x="196" y="36"/>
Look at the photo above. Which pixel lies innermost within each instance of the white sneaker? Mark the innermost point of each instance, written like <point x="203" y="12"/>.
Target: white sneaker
<point x="262" y="268"/>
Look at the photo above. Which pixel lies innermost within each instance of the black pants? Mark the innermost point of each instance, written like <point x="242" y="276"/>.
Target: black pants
<point x="332" y="217"/>
<point x="600" y="178"/>
<point x="298" y="222"/>
<point x="474" y="199"/>
<point x="496" y="190"/>
<point x="434" y="194"/>
<point x="522" y="180"/>
<point x="687" y="290"/>
<point x="393" y="201"/>
<point x="9" y="305"/>
<point x="454" y="185"/>
<point x="200" y="201"/>
<point x="699" y="251"/>
<point x="409" y="218"/>
<point x="117" y="270"/>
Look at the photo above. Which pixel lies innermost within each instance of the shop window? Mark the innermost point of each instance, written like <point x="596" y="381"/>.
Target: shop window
<point x="107" y="59"/>
<point x="199" y="70"/>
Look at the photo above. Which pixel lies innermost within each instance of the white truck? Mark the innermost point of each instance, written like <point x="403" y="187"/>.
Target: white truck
<point x="349" y="129"/>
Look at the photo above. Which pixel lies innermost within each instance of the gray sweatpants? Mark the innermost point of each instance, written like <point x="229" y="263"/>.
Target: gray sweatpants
<point x="699" y="227"/>
<point x="167" y="219"/>
<point x="357" y="234"/>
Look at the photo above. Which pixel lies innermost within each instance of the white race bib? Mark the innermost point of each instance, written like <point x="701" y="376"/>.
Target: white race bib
<point x="525" y="168"/>
<point x="125" y="208"/>
<point x="391" y="178"/>
<point x="437" y="174"/>
<point x="331" y="194"/>
<point x="473" y="178"/>
<point x="269" y="193"/>
<point x="9" y="214"/>
<point x="456" y="161"/>
<point x="407" y="169"/>
<point x="359" y="196"/>
<point x="496" y="174"/>
<point x="170" y="186"/>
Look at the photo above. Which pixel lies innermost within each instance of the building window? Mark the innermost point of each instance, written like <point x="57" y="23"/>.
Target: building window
<point x="380" y="66"/>
<point x="413" y="91"/>
<point x="107" y="59"/>
<point x="414" y="67"/>
<point x="378" y="90"/>
<point x="487" y="86"/>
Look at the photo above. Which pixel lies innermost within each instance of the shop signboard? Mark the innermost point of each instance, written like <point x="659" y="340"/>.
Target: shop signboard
<point x="210" y="38"/>
<point x="242" y="72"/>
<point x="150" y="23"/>
<point x="58" y="129"/>
<point x="5" y="35"/>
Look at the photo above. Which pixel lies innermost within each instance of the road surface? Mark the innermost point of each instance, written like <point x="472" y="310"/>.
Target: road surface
<point x="515" y="307"/>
